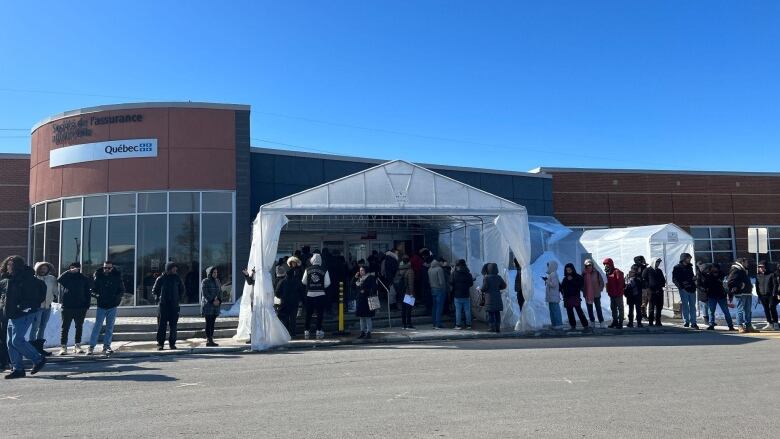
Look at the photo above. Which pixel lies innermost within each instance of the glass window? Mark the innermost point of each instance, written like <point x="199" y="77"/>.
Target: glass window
<point x="51" y="252"/>
<point x="53" y="210"/>
<point x="720" y="232"/>
<point x="702" y="246"/>
<point x="217" y="202"/>
<point x="151" y="255"/>
<point x="94" y="247"/>
<point x="184" y="201"/>
<point x="95" y="205"/>
<point x="713" y="244"/>
<point x="183" y="241"/>
<point x="70" y="245"/>
<point x="40" y="213"/>
<point x="721" y="245"/>
<point x="153" y="202"/>
<point x="121" y="251"/>
<point x="700" y="232"/>
<point x="71" y="208"/>
<point x="121" y="203"/>
<point x="217" y="249"/>
<point x="475" y="243"/>
<point x="38" y="241"/>
<point x="724" y="259"/>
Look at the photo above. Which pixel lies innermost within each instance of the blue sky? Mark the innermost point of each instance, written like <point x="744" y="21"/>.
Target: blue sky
<point x="501" y="84"/>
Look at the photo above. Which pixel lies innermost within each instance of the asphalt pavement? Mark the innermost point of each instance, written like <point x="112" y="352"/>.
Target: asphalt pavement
<point x="689" y="384"/>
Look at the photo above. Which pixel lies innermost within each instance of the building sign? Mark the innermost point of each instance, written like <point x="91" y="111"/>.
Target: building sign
<point x="109" y="150"/>
<point x="75" y="129"/>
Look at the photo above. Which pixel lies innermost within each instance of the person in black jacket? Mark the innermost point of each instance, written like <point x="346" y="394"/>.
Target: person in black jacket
<point x="570" y="288"/>
<point x="633" y="294"/>
<point x="683" y="279"/>
<point x="21" y="294"/>
<point x="519" y="285"/>
<point x="108" y="288"/>
<point x="168" y="289"/>
<point x="765" y="288"/>
<point x="712" y="283"/>
<point x="365" y="285"/>
<point x="75" y="299"/>
<point x="462" y="281"/>
<point x="655" y="282"/>
<point x="291" y="292"/>
<point x="211" y="302"/>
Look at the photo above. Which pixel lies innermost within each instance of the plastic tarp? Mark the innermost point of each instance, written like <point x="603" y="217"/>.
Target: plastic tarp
<point x="395" y="188"/>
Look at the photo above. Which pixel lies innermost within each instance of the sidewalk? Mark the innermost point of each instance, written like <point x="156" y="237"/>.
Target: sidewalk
<point x="380" y="336"/>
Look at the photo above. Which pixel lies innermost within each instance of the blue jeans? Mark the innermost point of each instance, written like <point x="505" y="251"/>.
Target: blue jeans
<point x="18" y="346"/>
<point x="109" y="315"/>
<point x="723" y="307"/>
<point x="744" y="310"/>
<point x="462" y="304"/>
<point x="688" y="306"/>
<point x="38" y="327"/>
<point x="555" y="314"/>
<point x="439" y="295"/>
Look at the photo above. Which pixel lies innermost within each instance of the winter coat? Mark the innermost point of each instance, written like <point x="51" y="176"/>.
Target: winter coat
<point x="436" y="277"/>
<point x="738" y="281"/>
<point x="571" y="286"/>
<point x="168" y="290"/>
<point x="776" y="282"/>
<point x="713" y="285"/>
<point x="290" y="290"/>
<point x="210" y="289"/>
<point x="461" y="282"/>
<point x="404" y="280"/>
<point x="682" y="275"/>
<point x="492" y="285"/>
<point x="389" y="266"/>
<point x="50" y="281"/>
<point x="365" y="288"/>
<point x="519" y="287"/>
<point x="74" y="290"/>
<point x="654" y="279"/>
<point x="634" y="283"/>
<point x="108" y="288"/>
<point x="552" y="284"/>
<point x="701" y="291"/>
<point x="21" y="294"/>
<point x="316" y="278"/>
<point x="616" y="281"/>
<point x="765" y="284"/>
<point x="592" y="284"/>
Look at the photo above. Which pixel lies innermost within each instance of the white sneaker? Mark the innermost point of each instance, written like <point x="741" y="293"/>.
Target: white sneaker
<point x="78" y="349"/>
<point x="320" y="335"/>
<point x="306" y="335"/>
<point x="63" y="350"/>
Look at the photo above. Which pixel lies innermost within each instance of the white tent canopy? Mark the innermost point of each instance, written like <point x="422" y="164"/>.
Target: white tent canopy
<point x="665" y="241"/>
<point x="393" y="189"/>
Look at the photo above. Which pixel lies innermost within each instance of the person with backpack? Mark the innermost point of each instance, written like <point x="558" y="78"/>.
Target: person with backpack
<point x="108" y="288"/>
<point x="716" y="295"/>
<point x="740" y="287"/>
<point x="404" y="286"/>
<point x="21" y="294"/>
<point x="462" y="281"/>
<point x="75" y="298"/>
<point x="552" y="295"/>
<point x="616" y="285"/>
<point x="765" y="289"/>
<point x="683" y="279"/>
<point x="571" y="287"/>
<point x="633" y="295"/>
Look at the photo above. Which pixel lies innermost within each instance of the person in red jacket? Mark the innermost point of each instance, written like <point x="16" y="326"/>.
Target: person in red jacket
<point x="616" y="283"/>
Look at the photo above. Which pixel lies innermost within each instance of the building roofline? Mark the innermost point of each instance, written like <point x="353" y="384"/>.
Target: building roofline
<point x="11" y="156"/>
<point x="139" y="105"/>
<point x="549" y="170"/>
<point x="366" y="160"/>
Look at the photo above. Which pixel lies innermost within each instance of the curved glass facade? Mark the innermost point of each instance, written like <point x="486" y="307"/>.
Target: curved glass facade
<point x="139" y="233"/>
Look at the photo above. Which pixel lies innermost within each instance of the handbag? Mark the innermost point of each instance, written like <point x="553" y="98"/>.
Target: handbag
<point x="373" y="303"/>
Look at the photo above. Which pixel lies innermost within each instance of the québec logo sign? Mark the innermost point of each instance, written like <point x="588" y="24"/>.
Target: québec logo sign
<point x="123" y="148"/>
<point x="108" y="150"/>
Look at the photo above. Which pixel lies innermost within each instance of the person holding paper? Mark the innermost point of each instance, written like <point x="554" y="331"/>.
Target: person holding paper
<point x="404" y="287"/>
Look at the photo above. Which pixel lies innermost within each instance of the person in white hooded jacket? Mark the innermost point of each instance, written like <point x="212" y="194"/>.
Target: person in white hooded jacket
<point x="553" y="295"/>
<point x="316" y="280"/>
<point x="45" y="272"/>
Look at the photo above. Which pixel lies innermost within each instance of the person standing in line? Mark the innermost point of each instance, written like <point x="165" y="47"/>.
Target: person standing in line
<point x="492" y="285"/>
<point x="290" y="292"/>
<point x="765" y="289"/>
<point x="642" y="272"/>
<point x="519" y="285"/>
<point x="437" y="280"/>
<point x="739" y="285"/>
<point x="552" y="289"/>
<point x="616" y="285"/>
<point x="366" y="286"/>
<point x="462" y="282"/>
<point x="404" y="285"/>
<point x="716" y="295"/>
<point x="683" y="279"/>
<point x="168" y="290"/>
<point x="316" y="280"/>
<point x="210" y="291"/>
<point x="656" y="281"/>
<point x="633" y="294"/>
<point x="702" y="270"/>
<point x="109" y="289"/>
<point x="43" y="271"/>
<point x="571" y="287"/>
<point x="75" y="298"/>
<point x="448" y="302"/>
<point x="593" y="284"/>
<point x="387" y="269"/>
<point x="775" y="299"/>
<point x="21" y="294"/>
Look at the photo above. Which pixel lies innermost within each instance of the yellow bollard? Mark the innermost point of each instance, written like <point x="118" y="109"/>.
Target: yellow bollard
<point x="341" y="307"/>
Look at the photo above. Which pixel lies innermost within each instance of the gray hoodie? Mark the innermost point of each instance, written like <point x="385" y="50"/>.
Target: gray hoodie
<point x="436" y="276"/>
<point x="552" y="284"/>
<point x="51" y="283"/>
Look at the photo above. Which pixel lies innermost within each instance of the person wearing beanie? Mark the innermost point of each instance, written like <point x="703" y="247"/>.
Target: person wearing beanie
<point x="75" y="298"/>
<point x="168" y="290"/>
<point x="616" y="284"/>
<point x="290" y="292"/>
<point x="462" y="281"/>
<point x="316" y="280"/>
<point x="108" y="288"/>
<point x="683" y="278"/>
<point x="765" y="288"/>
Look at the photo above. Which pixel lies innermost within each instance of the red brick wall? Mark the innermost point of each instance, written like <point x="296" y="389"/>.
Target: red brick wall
<point x="14" y="189"/>
<point x="616" y="199"/>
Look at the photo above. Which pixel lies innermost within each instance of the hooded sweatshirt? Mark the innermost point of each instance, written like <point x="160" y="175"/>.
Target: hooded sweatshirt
<point x="169" y="289"/>
<point x="654" y="277"/>
<point x="552" y="284"/>
<point x="50" y="281"/>
<point x="316" y="279"/>
<point x="682" y="275"/>
<point x="593" y="283"/>
<point x="616" y="282"/>
<point x="74" y="290"/>
<point x="436" y="276"/>
<point x="461" y="282"/>
<point x="21" y="292"/>
<point x="492" y="285"/>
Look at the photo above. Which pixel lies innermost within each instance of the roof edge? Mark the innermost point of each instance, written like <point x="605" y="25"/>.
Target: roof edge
<point x="139" y="105"/>
<point x="14" y="156"/>
<point x="542" y="170"/>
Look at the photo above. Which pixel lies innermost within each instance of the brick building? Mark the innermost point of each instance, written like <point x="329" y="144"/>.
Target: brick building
<point x="715" y="207"/>
<point x="14" y="205"/>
